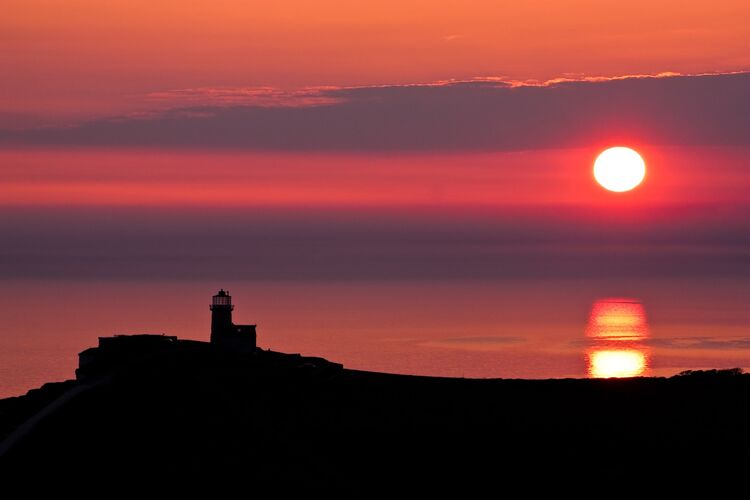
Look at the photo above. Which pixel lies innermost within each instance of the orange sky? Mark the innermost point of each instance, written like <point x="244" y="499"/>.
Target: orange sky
<point x="87" y="56"/>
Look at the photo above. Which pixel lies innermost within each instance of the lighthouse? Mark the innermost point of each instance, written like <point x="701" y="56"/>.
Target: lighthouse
<point x="224" y="333"/>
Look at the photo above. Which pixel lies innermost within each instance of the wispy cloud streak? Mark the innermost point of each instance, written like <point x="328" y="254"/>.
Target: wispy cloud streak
<point x="483" y="114"/>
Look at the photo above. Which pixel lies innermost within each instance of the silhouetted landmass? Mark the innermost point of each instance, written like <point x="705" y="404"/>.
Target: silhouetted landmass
<point x="266" y="421"/>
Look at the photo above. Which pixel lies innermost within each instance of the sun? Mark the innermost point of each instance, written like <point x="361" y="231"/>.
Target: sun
<point x="619" y="169"/>
<point x="617" y="363"/>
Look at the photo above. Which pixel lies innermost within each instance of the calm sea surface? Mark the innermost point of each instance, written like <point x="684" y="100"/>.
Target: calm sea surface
<point x="527" y="329"/>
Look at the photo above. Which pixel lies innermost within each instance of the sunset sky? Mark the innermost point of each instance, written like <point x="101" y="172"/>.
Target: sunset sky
<point x="328" y="141"/>
<point x="398" y="139"/>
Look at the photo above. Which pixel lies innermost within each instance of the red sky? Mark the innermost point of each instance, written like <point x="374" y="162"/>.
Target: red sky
<point x="466" y="118"/>
<point x="494" y="180"/>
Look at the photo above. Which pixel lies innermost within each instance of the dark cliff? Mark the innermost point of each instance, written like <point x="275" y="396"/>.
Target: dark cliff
<point x="268" y="421"/>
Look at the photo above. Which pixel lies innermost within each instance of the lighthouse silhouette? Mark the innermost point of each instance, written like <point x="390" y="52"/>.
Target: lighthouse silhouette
<point x="224" y="333"/>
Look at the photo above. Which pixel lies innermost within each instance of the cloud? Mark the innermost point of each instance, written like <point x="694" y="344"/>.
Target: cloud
<point x="710" y="343"/>
<point x="479" y="343"/>
<point x="483" y="114"/>
<point x="242" y="96"/>
<point x="488" y="339"/>
<point x="680" y="343"/>
<point x="314" y="245"/>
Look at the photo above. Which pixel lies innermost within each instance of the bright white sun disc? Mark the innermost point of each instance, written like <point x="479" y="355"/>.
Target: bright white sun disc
<point x="619" y="169"/>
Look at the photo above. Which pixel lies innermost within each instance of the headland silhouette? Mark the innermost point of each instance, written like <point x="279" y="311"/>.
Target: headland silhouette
<point x="159" y="411"/>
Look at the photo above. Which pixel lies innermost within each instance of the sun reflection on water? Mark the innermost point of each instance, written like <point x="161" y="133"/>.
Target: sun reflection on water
<point x="616" y="332"/>
<point x="623" y="363"/>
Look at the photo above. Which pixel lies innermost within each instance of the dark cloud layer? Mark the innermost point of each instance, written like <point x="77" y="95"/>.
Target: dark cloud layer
<point x="258" y="244"/>
<point x="678" y="110"/>
<point x="488" y="339"/>
<point x="703" y="343"/>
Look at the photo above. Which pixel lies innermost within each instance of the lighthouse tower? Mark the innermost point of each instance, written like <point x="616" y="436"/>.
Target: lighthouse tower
<point x="224" y="333"/>
<point x="221" y="316"/>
